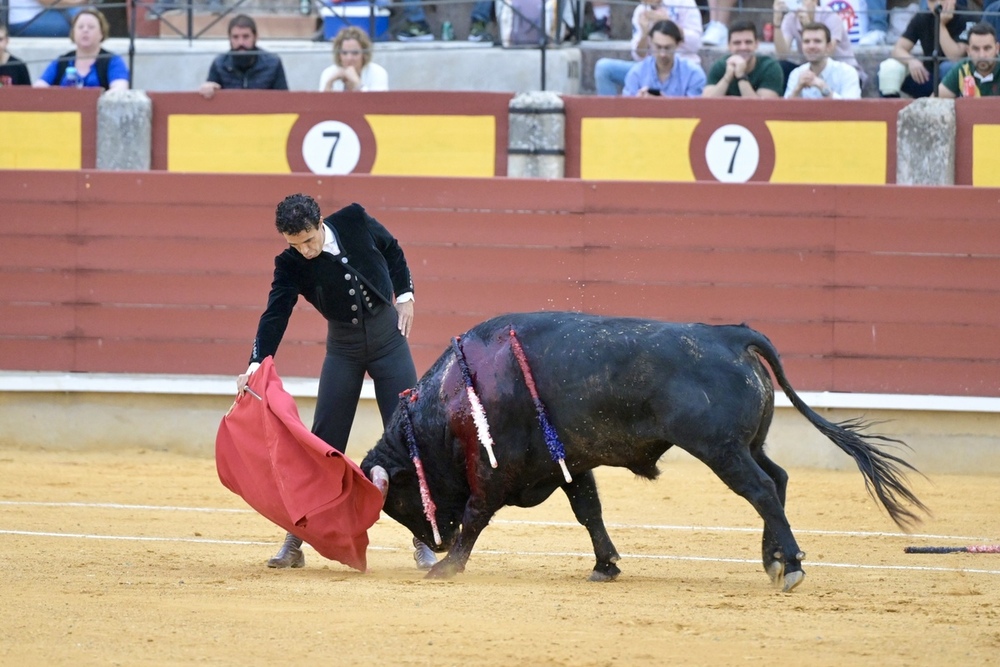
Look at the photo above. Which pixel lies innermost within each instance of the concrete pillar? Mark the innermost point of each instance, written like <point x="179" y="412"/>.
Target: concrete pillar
<point x="124" y="130"/>
<point x="537" y="136"/>
<point x="925" y="143"/>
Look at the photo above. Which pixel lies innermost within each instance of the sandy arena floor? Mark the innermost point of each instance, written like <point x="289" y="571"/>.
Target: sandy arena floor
<point x="143" y="558"/>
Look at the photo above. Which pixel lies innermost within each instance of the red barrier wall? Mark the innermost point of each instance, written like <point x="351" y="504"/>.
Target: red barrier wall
<point x="863" y="289"/>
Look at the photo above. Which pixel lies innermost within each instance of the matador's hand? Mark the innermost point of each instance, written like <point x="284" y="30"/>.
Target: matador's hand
<point x="404" y="313"/>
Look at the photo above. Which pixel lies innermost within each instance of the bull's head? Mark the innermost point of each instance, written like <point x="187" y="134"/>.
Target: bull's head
<point x="401" y="490"/>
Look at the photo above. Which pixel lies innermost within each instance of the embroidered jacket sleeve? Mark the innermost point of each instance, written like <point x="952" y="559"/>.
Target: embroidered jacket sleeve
<point x="280" y="302"/>
<point x="388" y="247"/>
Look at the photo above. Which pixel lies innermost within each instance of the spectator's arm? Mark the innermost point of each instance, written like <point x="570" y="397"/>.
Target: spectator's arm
<point x="718" y="84"/>
<point x="782" y="20"/>
<point x="945" y="93"/>
<point x="901" y="50"/>
<point x="949" y="47"/>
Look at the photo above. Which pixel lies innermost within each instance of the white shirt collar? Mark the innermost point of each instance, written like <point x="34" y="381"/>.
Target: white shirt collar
<point x="330" y="241"/>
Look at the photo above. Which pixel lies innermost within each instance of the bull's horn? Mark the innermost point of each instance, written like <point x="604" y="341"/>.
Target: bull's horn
<point x="380" y="478"/>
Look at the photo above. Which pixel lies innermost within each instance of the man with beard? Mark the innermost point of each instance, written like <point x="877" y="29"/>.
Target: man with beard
<point x="979" y="74"/>
<point x="744" y="73"/>
<point x="821" y="76"/>
<point x="246" y="66"/>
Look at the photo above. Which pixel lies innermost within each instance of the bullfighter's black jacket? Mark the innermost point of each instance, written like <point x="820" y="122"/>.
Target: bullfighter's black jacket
<point x="369" y="270"/>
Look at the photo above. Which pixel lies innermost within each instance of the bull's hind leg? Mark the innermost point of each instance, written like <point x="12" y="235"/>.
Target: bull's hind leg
<point x="739" y="471"/>
<point x="586" y="504"/>
<point x="774" y="567"/>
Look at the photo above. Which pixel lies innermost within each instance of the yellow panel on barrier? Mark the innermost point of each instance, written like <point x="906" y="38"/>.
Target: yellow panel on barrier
<point x="434" y="145"/>
<point x="636" y="149"/>
<point x="41" y="140"/>
<point x="986" y="155"/>
<point x="829" y="152"/>
<point x="232" y="144"/>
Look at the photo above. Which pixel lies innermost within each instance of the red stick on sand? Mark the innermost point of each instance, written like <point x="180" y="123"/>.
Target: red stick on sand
<point x="972" y="549"/>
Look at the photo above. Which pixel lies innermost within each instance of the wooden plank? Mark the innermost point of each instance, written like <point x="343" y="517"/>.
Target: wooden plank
<point x="516" y="263"/>
<point x="926" y="341"/>
<point x="708" y="266"/>
<point x="37" y="353"/>
<point x="962" y="235"/>
<point x="37" y="320"/>
<point x="177" y="289"/>
<point x="30" y="285"/>
<point x="483" y="294"/>
<point x="918" y="305"/>
<point x="729" y="304"/>
<point x="487" y="228"/>
<point x="917" y="376"/>
<point x="38" y="251"/>
<point x="917" y="270"/>
<point x="707" y="230"/>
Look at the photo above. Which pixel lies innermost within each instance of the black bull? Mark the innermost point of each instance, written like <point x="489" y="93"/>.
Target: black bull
<point x="619" y="392"/>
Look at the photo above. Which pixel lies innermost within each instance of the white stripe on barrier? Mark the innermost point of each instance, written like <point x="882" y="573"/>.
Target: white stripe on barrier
<point x="221" y="385"/>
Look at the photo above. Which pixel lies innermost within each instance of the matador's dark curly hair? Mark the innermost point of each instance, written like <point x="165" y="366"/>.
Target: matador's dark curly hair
<point x="297" y="213"/>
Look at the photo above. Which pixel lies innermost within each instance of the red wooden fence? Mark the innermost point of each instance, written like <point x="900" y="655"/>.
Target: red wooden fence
<point x="863" y="289"/>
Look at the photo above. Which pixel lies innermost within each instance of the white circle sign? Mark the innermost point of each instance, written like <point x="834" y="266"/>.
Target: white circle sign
<point x="331" y="147"/>
<point x="732" y="154"/>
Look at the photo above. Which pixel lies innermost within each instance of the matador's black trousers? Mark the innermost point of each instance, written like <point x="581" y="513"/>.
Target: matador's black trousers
<point x="373" y="345"/>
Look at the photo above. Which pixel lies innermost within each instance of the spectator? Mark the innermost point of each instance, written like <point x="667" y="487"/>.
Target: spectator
<point x="979" y="74"/>
<point x="991" y="15"/>
<point x="609" y="73"/>
<point x="600" y="30"/>
<point x="97" y="68"/>
<point x="352" y="67"/>
<point x="417" y="30"/>
<point x="910" y="74"/>
<point x="13" y="71"/>
<point x="878" y="21"/>
<point x="660" y="73"/>
<point x="821" y="76"/>
<point x="788" y="34"/>
<point x="744" y="73"/>
<point x="246" y="65"/>
<point x="878" y="24"/>
<point x="42" y="18"/>
<point x="718" y="17"/>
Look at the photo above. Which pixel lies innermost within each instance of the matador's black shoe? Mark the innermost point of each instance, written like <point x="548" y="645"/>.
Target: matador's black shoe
<point x="423" y="555"/>
<point x="290" y="554"/>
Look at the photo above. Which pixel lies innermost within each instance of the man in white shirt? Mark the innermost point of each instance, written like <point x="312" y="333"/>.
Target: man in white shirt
<point x="820" y="76"/>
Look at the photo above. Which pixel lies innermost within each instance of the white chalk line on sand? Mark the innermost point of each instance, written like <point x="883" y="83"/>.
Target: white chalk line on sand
<point x="503" y="552"/>
<point x="518" y="522"/>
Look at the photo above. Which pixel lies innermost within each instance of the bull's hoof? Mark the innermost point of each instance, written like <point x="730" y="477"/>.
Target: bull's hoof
<point x="793" y="579"/>
<point x="607" y="572"/>
<point x="775" y="569"/>
<point x="443" y="569"/>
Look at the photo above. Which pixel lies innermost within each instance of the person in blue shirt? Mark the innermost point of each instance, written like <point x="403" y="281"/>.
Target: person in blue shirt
<point x="97" y="68"/>
<point x="661" y="73"/>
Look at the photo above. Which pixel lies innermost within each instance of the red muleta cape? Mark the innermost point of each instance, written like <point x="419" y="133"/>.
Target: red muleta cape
<point x="266" y="455"/>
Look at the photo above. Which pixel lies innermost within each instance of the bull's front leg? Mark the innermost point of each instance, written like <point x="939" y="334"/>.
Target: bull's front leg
<point x="474" y="520"/>
<point x="586" y="504"/>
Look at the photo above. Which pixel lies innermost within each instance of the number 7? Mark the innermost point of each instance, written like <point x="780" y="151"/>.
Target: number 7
<point x="732" y="161"/>
<point x="336" y="140"/>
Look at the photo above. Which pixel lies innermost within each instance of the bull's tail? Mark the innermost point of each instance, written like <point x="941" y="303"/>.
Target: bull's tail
<point x="885" y="473"/>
